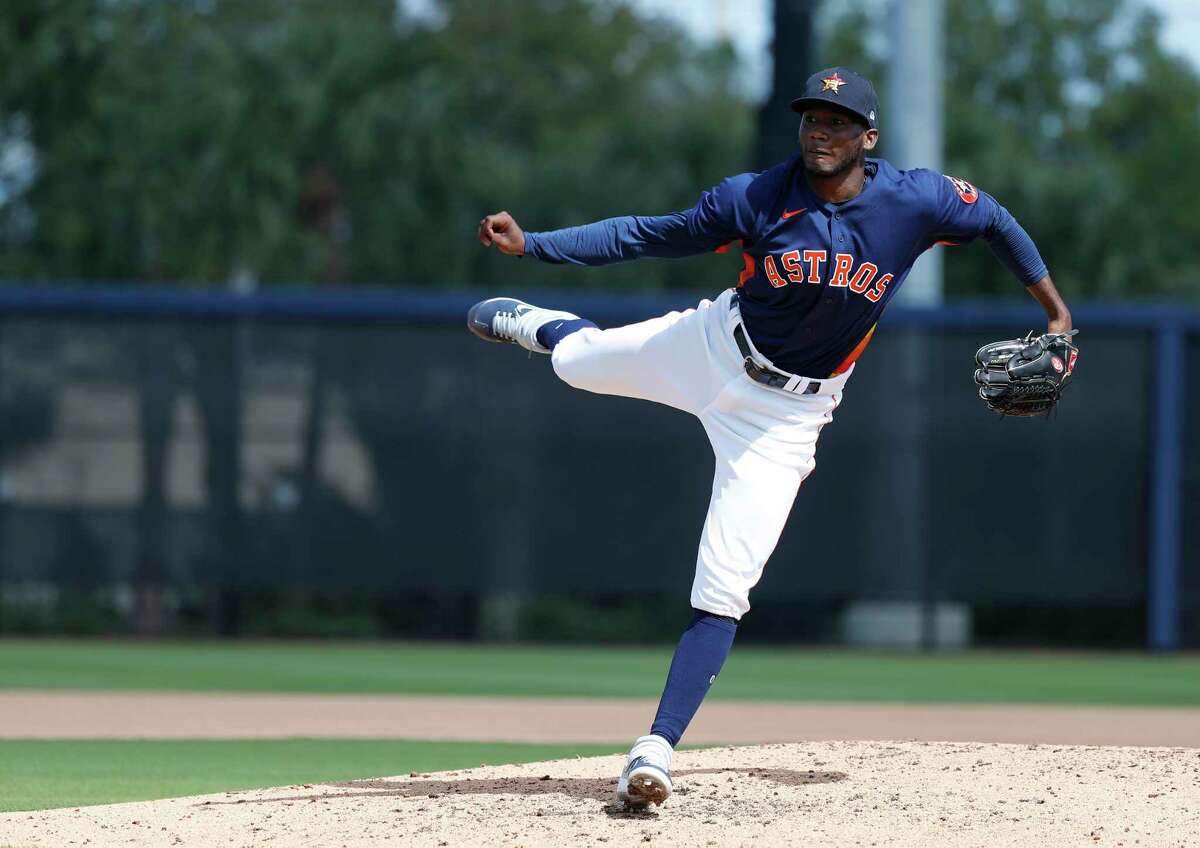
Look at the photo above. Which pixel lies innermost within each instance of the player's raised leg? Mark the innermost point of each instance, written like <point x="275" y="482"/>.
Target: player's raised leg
<point x="669" y="359"/>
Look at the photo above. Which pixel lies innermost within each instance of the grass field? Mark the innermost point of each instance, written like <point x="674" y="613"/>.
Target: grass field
<point x="454" y="669"/>
<point x="44" y="774"/>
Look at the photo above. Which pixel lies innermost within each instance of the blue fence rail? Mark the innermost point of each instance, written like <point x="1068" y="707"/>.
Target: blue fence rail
<point x="418" y="306"/>
<point x="1169" y="325"/>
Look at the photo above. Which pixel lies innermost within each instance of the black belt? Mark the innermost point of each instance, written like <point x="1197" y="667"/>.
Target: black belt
<point x="769" y="378"/>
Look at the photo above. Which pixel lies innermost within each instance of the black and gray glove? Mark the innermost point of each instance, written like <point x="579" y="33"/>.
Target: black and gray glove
<point x="1025" y="376"/>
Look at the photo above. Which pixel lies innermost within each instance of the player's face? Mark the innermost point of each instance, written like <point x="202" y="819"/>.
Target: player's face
<point x="833" y="141"/>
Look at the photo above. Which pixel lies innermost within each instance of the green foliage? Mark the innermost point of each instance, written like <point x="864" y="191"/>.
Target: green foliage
<point x="611" y="621"/>
<point x="315" y="141"/>
<point x="320" y="142"/>
<point x="1075" y="118"/>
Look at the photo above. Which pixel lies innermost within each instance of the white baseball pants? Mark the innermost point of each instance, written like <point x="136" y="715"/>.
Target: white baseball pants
<point x="764" y="439"/>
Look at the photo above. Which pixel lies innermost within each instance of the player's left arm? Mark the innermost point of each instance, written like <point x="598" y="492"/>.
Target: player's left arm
<point x="961" y="213"/>
<point x="1058" y="316"/>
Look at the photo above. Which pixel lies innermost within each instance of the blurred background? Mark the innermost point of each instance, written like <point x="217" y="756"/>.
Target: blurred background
<point x="237" y="246"/>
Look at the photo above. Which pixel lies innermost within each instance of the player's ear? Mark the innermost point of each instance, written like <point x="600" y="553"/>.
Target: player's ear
<point x="870" y="139"/>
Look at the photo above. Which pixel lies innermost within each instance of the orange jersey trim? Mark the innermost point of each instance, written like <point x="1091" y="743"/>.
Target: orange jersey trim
<point x="747" y="263"/>
<point x="854" y="354"/>
<point x="747" y="270"/>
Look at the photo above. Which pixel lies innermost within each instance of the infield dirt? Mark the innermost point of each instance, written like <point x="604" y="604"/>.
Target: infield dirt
<point x="812" y="794"/>
<point x="65" y="714"/>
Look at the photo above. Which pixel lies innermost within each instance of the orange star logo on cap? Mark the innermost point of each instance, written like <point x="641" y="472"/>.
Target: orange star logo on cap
<point x="833" y="83"/>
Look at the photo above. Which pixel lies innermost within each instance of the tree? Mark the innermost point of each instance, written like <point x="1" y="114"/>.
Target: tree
<point x="175" y="140"/>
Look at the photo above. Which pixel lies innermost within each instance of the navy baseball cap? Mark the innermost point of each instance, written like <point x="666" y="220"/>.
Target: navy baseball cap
<point x="841" y="87"/>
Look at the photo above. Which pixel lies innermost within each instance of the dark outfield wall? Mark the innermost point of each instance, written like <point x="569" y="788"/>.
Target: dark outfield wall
<point x="433" y="472"/>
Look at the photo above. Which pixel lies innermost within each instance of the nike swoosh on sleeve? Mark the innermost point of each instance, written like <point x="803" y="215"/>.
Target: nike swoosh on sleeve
<point x="793" y="212"/>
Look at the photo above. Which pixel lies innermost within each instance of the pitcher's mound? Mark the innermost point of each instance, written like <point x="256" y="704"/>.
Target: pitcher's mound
<point x="816" y="794"/>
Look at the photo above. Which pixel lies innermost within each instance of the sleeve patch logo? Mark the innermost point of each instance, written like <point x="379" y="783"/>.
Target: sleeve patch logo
<point x="967" y="193"/>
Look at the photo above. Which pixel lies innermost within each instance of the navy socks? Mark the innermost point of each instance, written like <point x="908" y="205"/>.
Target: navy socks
<point x="553" y="332"/>
<point x="698" y="659"/>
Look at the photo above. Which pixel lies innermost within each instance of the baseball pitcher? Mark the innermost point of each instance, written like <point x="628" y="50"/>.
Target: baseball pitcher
<point x="827" y="237"/>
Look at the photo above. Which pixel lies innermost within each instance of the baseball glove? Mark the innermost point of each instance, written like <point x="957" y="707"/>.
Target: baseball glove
<point x="1025" y="376"/>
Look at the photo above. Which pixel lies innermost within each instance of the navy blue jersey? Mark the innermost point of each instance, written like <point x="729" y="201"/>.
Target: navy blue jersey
<point x="817" y="275"/>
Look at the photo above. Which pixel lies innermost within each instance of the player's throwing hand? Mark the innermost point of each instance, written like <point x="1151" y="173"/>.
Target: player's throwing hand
<point x="502" y="231"/>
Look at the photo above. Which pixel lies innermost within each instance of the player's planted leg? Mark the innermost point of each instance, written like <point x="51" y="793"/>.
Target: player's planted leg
<point x="698" y="659"/>
<point x="506" y="319"/>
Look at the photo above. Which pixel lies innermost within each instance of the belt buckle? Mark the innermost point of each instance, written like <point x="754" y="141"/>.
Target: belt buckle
<point x="756" y="371"/>
<point x="766" y="376"/>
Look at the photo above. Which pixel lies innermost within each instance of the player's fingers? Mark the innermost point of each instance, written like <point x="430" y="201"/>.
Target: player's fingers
<point x="485" y="233"/>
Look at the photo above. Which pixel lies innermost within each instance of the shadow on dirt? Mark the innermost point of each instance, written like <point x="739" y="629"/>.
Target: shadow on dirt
<point x="595" y="789"/>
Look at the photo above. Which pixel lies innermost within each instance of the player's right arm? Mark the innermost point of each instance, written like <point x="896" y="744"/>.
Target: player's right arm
<point x="720" y="216"/>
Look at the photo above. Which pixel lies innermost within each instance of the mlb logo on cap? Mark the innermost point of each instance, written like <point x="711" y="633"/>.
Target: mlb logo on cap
<point x="841" y="87"/>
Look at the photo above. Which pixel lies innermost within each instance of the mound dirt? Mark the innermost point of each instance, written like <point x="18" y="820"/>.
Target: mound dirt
<point x="811" y="794"/>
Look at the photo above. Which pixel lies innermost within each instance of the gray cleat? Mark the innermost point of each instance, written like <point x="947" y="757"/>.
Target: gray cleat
<point x="506" y="319"/>
<point x="646" y="778"/>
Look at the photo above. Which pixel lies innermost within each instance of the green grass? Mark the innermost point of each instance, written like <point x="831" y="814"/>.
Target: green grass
<point x="39" y="775"/>
<point x="461" y="669"/>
